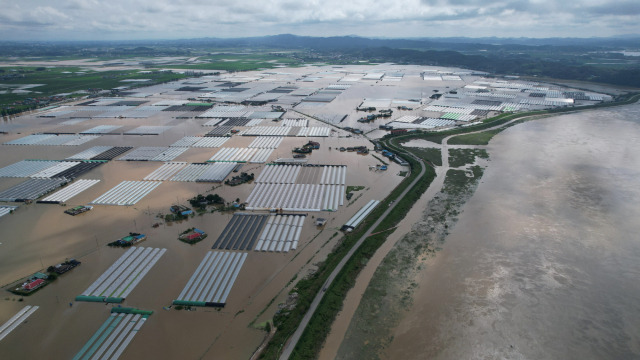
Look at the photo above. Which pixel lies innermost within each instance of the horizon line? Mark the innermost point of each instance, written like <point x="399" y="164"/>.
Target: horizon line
<point x="619" y="37"/>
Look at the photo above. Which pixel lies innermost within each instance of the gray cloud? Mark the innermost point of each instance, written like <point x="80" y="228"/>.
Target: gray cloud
<point x="627" y="8"/>
<point x="116" y="19"/>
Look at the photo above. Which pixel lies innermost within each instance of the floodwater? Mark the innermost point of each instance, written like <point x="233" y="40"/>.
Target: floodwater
<point x="39" y="235"/>
<point x="351" y="302"/>
<point x="543" y="263"/>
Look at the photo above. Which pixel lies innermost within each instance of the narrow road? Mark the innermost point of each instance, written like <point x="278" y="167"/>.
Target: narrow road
<point x="286" y="352"/>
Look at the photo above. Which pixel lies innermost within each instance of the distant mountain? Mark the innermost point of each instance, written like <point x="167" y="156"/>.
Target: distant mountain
<point x="469" y="46"/>
<point x="290" y="41"/>
<point x="623" y="41"/>
<point x="453" y="43"/>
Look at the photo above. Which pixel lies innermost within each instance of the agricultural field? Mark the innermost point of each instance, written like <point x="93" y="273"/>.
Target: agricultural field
<point x="29" y="87"/>
<point x="273" y="238"/>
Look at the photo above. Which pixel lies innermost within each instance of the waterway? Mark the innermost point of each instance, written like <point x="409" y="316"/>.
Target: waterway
<point x="543" y="262"/>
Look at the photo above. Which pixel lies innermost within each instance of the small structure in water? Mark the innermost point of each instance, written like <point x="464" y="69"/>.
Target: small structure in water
<point x="181" y="210"/>
<point x="63" y="267"/>
<point x="238" y="180"/>
<point x="302" y="150"/>
<point x="192" y="236"/>
<point x="129" y="240"/>
<point x="78" y="210"/>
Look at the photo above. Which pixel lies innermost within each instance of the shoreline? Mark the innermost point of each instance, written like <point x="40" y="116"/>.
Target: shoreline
<point x="358" y="292"/>
<point x="547" y="226"/>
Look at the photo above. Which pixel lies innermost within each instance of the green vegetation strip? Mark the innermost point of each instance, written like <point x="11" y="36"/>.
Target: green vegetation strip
<point x="307" y="288"/>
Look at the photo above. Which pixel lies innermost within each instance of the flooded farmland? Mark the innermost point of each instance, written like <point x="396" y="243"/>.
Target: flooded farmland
<point x="543" y="262"/>
<point x="36" y="235"/>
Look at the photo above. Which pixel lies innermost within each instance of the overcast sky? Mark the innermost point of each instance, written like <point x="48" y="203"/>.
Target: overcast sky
<point x="162" y="19"/>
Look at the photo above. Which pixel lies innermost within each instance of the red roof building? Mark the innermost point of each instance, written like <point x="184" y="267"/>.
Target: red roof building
<point x="32" y="285"/>
<point x="193" y="236"/>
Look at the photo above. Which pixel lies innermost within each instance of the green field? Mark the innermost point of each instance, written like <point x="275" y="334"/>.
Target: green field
<point x="432" y="155"/>
<point x="64" y="80"/>
<point x="481" y="138"/>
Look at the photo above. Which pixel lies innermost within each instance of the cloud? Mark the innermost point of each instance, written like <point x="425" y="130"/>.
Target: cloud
<point x="36" y="18"/>
<point x="119" y="19"/>
<point x="624" y="8"/>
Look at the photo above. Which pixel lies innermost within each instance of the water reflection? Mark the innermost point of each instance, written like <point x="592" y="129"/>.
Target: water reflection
<point x="544" y="262"/>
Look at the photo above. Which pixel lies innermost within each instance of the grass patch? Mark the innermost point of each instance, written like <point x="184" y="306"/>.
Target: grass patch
<point x="354" y="188"/>
<point x="433" y="137"/>
<point x="481" y="138"/>
<point x="462" y="157"/>
<point x="432" y="155"/>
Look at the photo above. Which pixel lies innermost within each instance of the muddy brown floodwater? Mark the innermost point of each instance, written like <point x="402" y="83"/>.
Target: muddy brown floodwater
<point x="544" y="261"/>
<point x="38" y="235"/>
